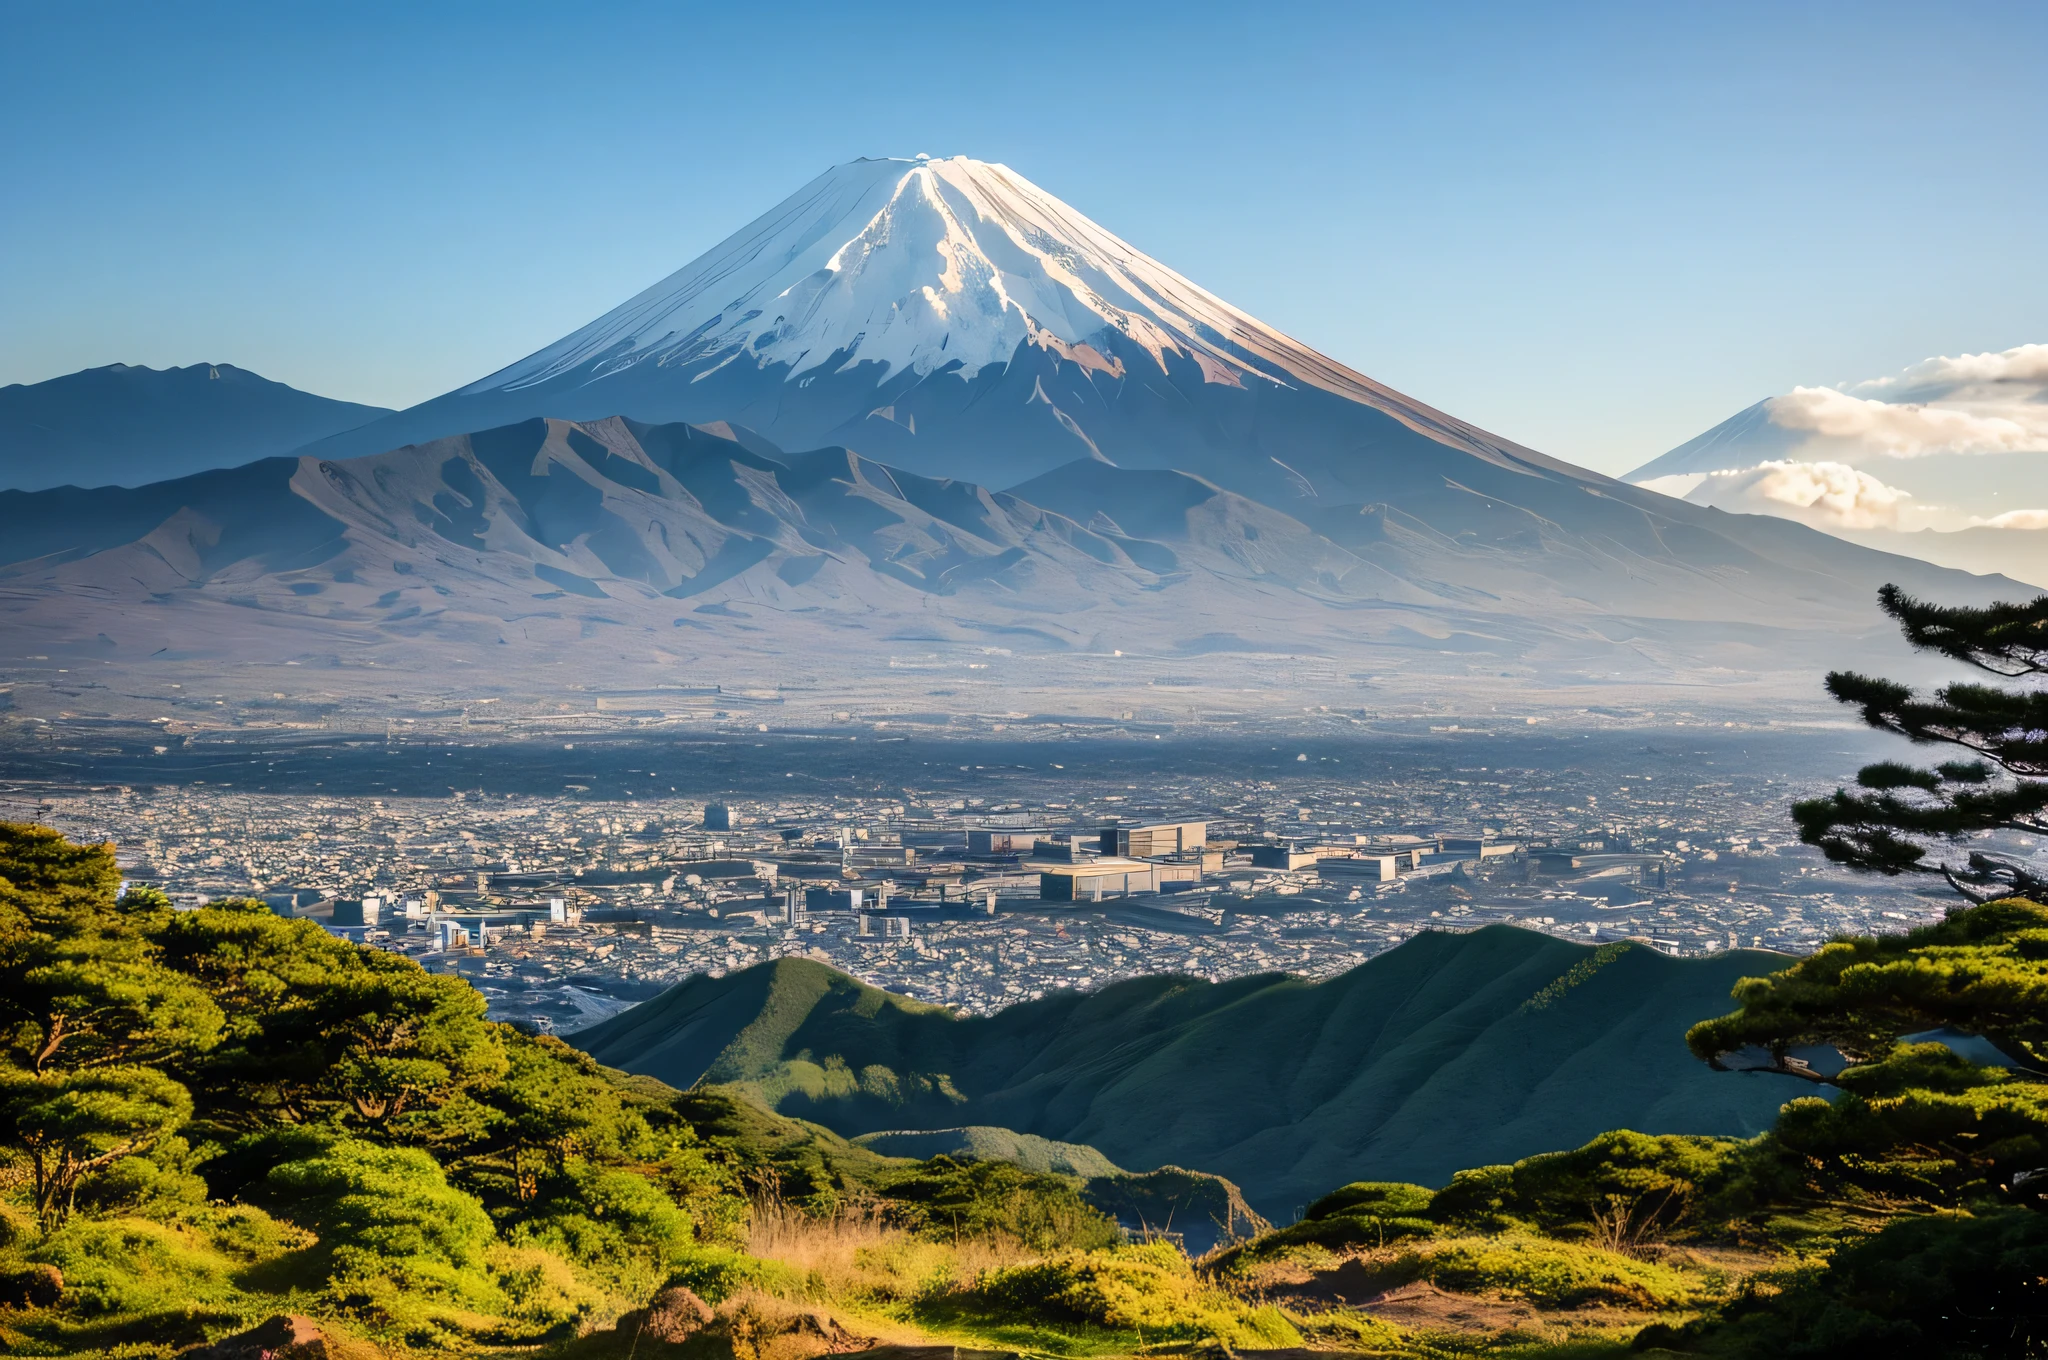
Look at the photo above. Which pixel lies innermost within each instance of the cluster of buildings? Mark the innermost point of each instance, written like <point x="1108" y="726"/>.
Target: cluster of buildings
<point x="980" y="887"/>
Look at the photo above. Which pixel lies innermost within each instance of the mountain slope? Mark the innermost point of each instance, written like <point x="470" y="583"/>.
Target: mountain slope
<point x="126" y="426"/>
<point x="1743" y="440"/>
<point x="659" y="527"/>
<point x="680" y="541"/>
<point x="1017" y="432"/>
<point x="952" y="320"/>
<point x="980" y="1143"/>
<point x="928" y="303"/>
<point x="1946" y="461"/>
<point x="1449" y="1051"/>
<point x="2019" y="553"/>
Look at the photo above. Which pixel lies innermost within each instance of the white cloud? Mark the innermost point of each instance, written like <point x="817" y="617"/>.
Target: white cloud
<point x="2021" y="364"/>
<point x="1908" y="429"/>
<point x="1948" y="443"/>
<point x="1825" y="495"/>
<point x="2018" y="519"/>
<point x="1833" y="492"/>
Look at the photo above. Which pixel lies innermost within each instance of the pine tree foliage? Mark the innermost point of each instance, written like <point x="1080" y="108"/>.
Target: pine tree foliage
<point x="1900" y="815"/>
<point x="1983" y="970"/>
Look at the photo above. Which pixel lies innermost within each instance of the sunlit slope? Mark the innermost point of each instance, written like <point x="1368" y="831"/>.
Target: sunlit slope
<point x="983" y="1143"/>
<point x="1450" y="1051"/>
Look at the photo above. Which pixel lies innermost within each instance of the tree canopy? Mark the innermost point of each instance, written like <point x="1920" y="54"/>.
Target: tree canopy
<point x="1900" y="815"/>
<point x="1983" y="970"/>
<point x="222" y="1074"/>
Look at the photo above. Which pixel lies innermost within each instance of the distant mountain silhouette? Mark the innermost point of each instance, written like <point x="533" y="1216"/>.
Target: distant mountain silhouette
<point x="126" y="426"/>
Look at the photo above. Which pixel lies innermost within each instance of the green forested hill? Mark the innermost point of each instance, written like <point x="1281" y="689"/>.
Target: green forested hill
<point x="1449" y="1052"/>
<point x="221" y="1128"/>
<point x="983" y="1143"/>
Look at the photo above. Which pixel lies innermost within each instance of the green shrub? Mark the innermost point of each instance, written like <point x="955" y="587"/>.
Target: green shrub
<point x="237" y="1170"/>
<point x="1380" y="1199"/>
<point x="393" y="1203"/>
<point x="1547" y="1273"/>
<point x="540" y="1289"/>
<point x="1366" y="1214"/>
<point x="159" y="1185"/>
<point x="1350" y="1232"/>
<point x="1363" y="1214"/>
<point x="134" y="1266"/>
<point x="1347" y="1331"/>
<point x="1477" y="1198"/>
<point x="703" y="1180"/>
<point x="1313" y="1238"/>
<point x="379" y="1284"/>
<point x="1150" y="1289"/>
<point x="246" y="1234"/>
<point x="1621" y="1189"/>
<point x="716" y="1273"/>
<point x="612" y="1221"/>
<point x="1263" y="1328"/>
<point x="1934" y="1288"/>
<point x="946" y="1198"/>
<point x="17" y="1224"/>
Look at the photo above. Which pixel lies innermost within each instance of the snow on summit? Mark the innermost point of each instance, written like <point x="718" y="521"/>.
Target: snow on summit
<point x="954" y="319"/>
<point x="917" y="264"/>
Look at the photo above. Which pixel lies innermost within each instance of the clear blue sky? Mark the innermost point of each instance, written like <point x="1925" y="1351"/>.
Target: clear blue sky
<point x="1597" y="229"/>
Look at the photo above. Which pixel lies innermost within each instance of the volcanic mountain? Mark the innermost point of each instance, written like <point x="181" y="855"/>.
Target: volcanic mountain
<point x="950" y="318"/>
<point x="1946" y="460"/>
<point x="925" y="403"/>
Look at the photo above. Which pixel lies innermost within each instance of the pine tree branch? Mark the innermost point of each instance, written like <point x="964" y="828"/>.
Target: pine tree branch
<point x="2006" y="639"/>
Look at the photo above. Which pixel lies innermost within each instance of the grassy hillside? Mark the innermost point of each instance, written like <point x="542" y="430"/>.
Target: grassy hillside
<point x="981" y="1143"/>
<point x="1450" y="1051"/>
<point x="1201" y="1210"/>
<point x="226" y="1135"/>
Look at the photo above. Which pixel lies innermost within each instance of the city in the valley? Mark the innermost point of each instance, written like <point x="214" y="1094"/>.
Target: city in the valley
<point x="975" y="876"/>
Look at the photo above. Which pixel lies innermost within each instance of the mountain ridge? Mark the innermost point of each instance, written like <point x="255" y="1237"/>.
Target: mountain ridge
<point x="131" y="425"/>
<point x="546" y="530"/>
<point x="1450" y="1051"/>
<point x="925" y="403"/>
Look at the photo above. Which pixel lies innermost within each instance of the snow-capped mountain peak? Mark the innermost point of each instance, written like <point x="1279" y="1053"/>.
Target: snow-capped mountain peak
<point x="951" y="316"/>
<point x="915" y="264"/>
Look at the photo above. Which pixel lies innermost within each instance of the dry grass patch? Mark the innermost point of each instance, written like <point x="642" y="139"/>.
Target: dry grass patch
<point x="857" y="1257"/>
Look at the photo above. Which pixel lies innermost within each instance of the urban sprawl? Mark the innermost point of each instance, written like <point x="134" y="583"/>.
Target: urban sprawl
<point x="565" y="909"/>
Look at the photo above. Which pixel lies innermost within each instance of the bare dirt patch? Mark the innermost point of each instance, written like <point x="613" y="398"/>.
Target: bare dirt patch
<point x="1373" y="1287"/>
<point x="1421" y="1306"/>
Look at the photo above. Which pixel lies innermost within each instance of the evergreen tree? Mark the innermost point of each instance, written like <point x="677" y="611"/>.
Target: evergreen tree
<point x="1983" y="970"/>
<point x="1914" y="1123"/>
<point x="87" y="1013"/>
<point x="1894" y="820"/>
<point x="322" y="1029"/>
<point x="552" y="1105"/>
